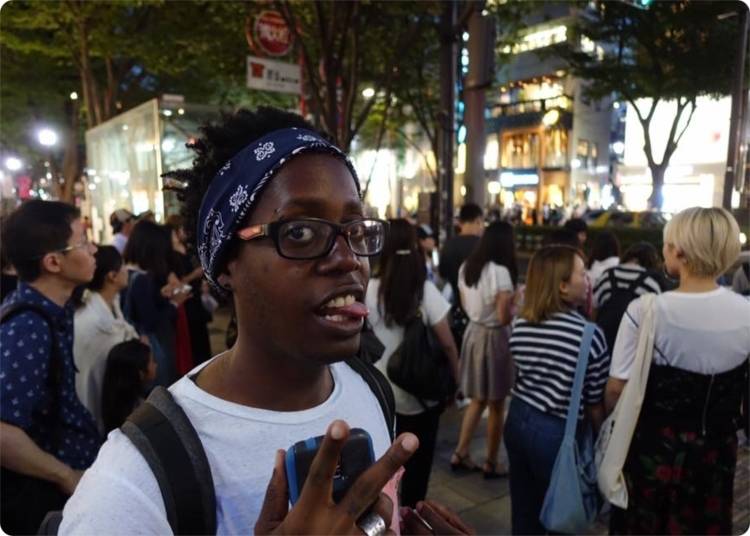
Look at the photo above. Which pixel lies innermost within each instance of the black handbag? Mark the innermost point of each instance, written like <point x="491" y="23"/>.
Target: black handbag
<point x="458" y="322"/>
<point x="370" y="347"/>
<point x="419" y="366"/>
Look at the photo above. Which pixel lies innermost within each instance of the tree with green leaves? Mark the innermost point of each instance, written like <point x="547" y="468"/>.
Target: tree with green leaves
<point x="671" y="51"/>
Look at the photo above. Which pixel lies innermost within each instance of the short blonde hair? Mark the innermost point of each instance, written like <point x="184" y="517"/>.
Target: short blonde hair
<point x="709" y="239"/>
<point x="548" y="267"/>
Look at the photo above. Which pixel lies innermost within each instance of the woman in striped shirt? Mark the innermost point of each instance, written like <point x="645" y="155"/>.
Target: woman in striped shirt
<point x="544" y="345"/>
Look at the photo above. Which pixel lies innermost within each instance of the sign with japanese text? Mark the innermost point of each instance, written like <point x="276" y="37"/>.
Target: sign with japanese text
<point x="272" y="75"/>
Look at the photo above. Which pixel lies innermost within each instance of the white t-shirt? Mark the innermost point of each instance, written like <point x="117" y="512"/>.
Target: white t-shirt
<point x="706" y="332"/>
<point x="119" y="493"/>
<point x="479" y="301"/>
<point x="434" y="308"/>
<point x="97" y="329"/>
<point x="599" y="267"/>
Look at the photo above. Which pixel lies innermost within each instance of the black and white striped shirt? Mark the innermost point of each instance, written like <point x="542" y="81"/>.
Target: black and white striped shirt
<point x="546" y="354"/>
<point x="624" y="275"/>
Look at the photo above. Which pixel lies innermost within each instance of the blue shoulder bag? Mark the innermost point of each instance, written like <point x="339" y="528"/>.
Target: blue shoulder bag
<point x="572" y="501"/>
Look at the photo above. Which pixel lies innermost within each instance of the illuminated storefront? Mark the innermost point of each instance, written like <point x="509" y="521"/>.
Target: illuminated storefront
<point x="695" y="175"/>
<point x="127" y="155"/>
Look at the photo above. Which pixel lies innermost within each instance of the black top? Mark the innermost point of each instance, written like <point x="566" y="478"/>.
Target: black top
<point x="454" y="253"/>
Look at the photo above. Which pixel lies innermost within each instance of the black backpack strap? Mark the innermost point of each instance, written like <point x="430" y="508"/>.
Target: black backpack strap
<point x="165" y="437"/>
<point x="381" y="388"/>
<point x="637" y="282"/>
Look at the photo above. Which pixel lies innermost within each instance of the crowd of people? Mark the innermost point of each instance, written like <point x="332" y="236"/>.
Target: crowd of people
<point x="273" y="225"/>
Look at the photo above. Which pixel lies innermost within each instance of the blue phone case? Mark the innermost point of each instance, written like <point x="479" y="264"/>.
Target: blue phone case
<point x="356" y="456"/>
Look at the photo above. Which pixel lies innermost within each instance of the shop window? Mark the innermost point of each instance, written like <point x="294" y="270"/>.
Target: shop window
<point x="521" y="150"/>
<point x="593" y="155"/>
<point x="555" y="147"/>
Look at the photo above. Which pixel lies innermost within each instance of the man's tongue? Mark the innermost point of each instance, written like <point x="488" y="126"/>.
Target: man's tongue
<point x="355" y="310"/>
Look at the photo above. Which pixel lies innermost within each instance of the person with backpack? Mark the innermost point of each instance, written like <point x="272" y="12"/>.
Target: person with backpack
<point x="636" y="275"/>
<point x="401" y="295"/>
<point x="47" y="437"/>
<point x="487" y="282"/>
<point x="280" y="227"/>
<point x="454" y="253"/>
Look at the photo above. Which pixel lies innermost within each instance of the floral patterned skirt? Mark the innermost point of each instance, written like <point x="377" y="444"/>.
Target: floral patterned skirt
<point x="679" y="482"/>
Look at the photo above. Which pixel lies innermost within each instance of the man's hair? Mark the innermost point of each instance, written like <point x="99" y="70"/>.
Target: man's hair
<point x="469" y="212"/>
<point x="549" y="266"/>
<point x="218" y="143"/>
<point x="561" y="237"/>
<point x="708" y="237"/>
<point x="577" y="225"/>
<point x="33" y="230"/>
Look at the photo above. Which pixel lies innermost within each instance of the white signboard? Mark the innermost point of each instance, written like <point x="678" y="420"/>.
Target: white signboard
<point x="272" y="75"/>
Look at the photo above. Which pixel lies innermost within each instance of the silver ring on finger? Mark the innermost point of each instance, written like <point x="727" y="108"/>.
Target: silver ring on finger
<point x="372" y="524"/>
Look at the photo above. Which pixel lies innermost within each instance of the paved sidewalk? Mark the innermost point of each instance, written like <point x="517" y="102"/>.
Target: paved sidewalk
<point x="486" y="503"/>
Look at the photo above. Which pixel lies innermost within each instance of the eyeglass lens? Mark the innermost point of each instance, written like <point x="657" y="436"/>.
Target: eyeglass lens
<point x="308" y="239"/>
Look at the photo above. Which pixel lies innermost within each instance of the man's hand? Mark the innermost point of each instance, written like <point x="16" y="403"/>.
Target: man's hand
<point x="431" y="517"/>
<point x="315" y="512"/>
<point x="69" y="481"/>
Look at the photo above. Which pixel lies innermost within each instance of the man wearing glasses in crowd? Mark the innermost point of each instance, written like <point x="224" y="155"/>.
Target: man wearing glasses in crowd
<point x="47" y="437"/>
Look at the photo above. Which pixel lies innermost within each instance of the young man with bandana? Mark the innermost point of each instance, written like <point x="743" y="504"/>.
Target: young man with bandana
<point x="280" y="227"/>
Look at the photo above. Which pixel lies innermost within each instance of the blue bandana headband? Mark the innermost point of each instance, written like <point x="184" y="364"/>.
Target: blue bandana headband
<point x="236" y="186"/>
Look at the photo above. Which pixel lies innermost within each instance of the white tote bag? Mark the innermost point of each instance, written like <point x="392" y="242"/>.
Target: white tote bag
<point x="616" y="433"/>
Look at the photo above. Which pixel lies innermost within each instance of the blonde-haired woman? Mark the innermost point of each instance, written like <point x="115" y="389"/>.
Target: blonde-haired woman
<point x="680" y="468"/>
<point x="545" y="344"/>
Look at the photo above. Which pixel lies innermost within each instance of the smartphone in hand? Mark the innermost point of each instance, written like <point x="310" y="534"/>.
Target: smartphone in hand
<point x="356" y="456"/>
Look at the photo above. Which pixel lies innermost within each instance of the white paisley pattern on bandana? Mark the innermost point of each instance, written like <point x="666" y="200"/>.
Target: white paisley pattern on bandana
<point x="307" y="137"/>
<point x="214" y="228"/>
<point x="238" y="197"/>
<point x="264" y="151"/>
<point x="225" y="168"/>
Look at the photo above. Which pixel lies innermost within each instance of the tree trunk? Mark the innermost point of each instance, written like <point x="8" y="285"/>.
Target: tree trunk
<point x="70" y="165"/>
<point x="656" y="199"/>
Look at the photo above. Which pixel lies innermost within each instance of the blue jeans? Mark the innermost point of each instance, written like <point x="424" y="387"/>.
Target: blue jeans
<point x="532" y="439"/>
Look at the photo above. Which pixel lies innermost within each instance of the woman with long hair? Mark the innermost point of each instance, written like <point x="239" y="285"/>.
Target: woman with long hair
<point x="129" y="371"/>
<point x="681" y="462"/>
<point x="545" y="344"/>
<point x="99" y="325"/>
<point x="487" y="282"/>
<point x="605" y="254"/>
<point x="154" y="293"/>
<point x="394" y="299"/>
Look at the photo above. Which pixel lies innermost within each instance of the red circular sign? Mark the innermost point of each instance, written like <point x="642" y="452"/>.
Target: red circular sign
<point x="271" y="33"/>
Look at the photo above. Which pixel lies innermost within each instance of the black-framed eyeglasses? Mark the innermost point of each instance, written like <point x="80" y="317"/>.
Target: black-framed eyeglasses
<point x="312" y="238"/>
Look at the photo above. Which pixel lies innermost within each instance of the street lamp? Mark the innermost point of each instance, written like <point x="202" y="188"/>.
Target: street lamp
<point x="368" y="93"/>
<point x="47" y="137"/>
<point x="73" y="95"/>
<point x="13" y="164"/>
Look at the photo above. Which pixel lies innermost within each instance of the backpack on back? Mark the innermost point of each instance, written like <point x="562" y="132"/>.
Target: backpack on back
<point x="165" y="437"/>
<point x="610" y="314"/>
